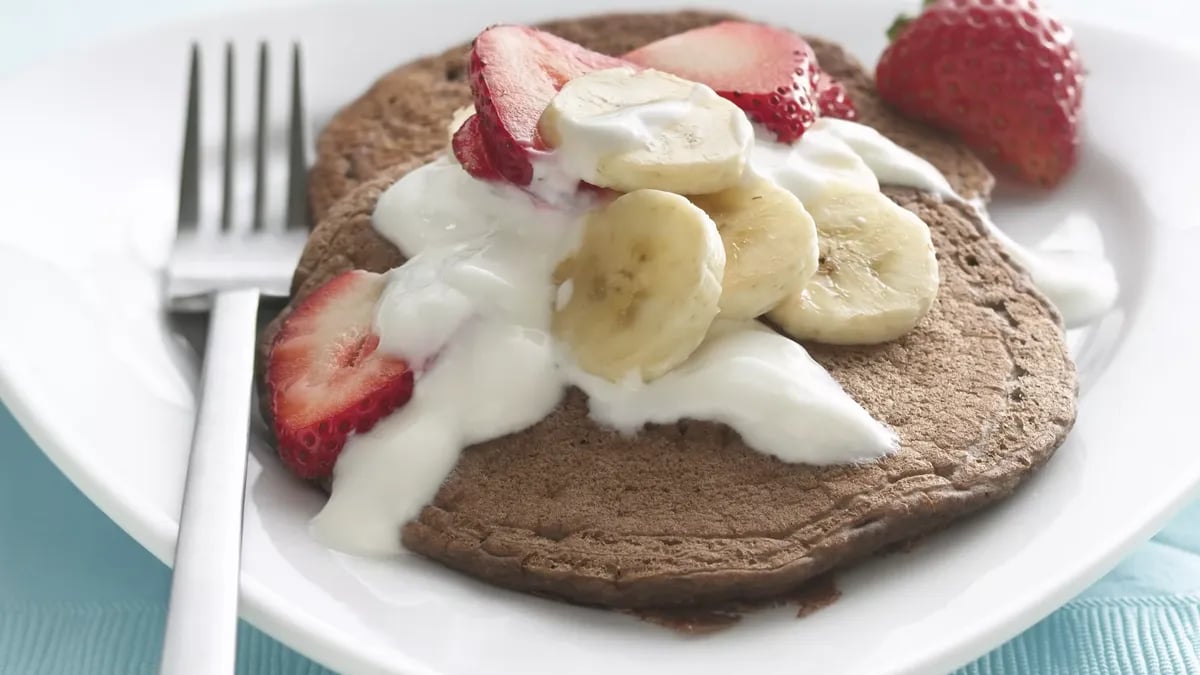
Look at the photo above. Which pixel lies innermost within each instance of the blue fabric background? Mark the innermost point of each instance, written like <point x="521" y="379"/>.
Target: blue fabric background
<point x="77" y="595"/>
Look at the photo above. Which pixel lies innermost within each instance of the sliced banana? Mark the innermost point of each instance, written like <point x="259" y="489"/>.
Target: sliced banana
<point x="645" y="286"/>
<point x="770" y="245"/>
<point x="628" y="130"/>
<point x="877" y="276"/>
<point x="457" y="119"/>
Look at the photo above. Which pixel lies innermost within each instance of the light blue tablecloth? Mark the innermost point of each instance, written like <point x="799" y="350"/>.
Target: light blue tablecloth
<point x="78" y="596"/>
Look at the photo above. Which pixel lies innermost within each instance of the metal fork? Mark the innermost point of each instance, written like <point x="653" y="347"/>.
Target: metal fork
<point x="222" y="262"/>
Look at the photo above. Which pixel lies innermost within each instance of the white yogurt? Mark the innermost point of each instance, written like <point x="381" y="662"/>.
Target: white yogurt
<point x="476" y="390"/>
<point x="587" y="143"/>
<point x="758" y="382"/>
<point x="489" y="252"/>
<point x="472" y="310"/>
<point x="819" y="162"/>
<point x="888" y="162"/>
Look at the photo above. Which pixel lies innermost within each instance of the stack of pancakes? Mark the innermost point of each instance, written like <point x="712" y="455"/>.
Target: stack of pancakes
<point x="981" y="392"/>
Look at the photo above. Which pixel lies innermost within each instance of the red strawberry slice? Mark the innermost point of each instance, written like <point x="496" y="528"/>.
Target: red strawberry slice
<point x="768" y="72"/>
<point x="832" y="99"/>
<point x="471" y="150"/>
<point x="514" y="72"/>
<point x="326" y="377"/>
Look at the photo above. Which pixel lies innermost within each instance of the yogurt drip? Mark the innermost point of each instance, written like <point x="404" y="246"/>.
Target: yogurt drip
<point x="1075" y="276"/>
<point x="481" y="284"/>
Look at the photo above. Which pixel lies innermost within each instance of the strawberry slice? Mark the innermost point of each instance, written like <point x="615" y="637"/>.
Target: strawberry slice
<point x="514" y="71"/>
<point x="832" y="100"/>
<point x="326" y="377"/>
<point x="768" y="72"/>
<point x="471" y="151"/>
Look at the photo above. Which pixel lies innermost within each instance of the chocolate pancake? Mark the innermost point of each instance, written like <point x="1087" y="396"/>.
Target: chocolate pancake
<point x="980" y="393"/>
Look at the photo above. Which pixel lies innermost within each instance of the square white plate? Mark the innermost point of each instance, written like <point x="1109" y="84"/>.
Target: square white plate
<point x="88" y="169"/>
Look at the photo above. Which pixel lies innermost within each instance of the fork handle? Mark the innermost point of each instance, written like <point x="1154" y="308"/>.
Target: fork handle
<point x="201" y="630"/>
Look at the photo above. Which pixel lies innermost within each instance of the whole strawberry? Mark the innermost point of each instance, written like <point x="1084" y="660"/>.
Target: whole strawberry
<point x="1004" y="76"/>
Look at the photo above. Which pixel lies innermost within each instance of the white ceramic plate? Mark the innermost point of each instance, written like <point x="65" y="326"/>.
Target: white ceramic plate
<point x="88" y="171"/>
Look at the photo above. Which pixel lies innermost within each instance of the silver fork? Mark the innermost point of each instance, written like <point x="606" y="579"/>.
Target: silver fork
<point x="222" y="262"/>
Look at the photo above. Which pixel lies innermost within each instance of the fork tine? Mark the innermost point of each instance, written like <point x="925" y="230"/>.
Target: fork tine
<point x="260" y="139"/>
<point x="227" y="196"/>
<point x="189" y="170"/>
<point x="297" y="198"/>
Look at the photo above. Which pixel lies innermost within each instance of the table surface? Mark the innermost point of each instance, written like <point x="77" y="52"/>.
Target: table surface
<point x="83" y="563"/>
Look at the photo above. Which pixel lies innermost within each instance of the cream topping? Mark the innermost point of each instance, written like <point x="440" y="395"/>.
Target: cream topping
<point x="473" y="307"/>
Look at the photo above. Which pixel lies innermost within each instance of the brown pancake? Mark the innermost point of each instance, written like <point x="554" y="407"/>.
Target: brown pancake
<point x="981" y="393"/>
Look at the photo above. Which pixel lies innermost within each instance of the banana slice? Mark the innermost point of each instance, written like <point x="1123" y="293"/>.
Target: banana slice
<point x="457" y="119"/>
<point x="877" y="274"/>
<point x="628" y="130"/>
<point x="644" y="286"/>
<point x="770" y="245"/>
